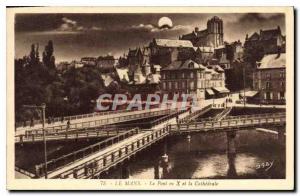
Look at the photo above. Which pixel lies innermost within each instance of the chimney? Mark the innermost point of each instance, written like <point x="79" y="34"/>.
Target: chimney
<point x="278" y="28"/>
<point x="246" y="36"/>
<point x="278" y="52"/>
<point x="260" y="31"/>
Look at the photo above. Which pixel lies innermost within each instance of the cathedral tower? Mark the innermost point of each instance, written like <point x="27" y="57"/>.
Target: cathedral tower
<point x="215" y="32"/>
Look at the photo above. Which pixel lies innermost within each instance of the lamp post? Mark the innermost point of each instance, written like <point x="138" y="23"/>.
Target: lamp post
<point x="244" y="97"/>
<point x="43" y="108"/>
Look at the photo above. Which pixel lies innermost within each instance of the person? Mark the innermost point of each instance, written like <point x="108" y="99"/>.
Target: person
<point x="31" y="122"/>
<point x="68" y="124"/>
<point x="62" y="119"/>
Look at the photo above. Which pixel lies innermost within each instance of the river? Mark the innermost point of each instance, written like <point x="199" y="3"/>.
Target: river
<point x="204" y="156"/>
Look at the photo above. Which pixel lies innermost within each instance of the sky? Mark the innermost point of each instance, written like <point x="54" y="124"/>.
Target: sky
<point x="79" y="35"/>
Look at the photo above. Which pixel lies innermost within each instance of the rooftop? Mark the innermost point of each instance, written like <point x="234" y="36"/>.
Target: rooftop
<point x="273" y="61"/>
<point x="188" y="64"/>
<point x="172" y="43"/>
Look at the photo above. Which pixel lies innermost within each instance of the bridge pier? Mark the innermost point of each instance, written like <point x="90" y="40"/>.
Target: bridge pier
<point x="281" y="136"/>
<point x="125" y="171"/>
<point x="156" y="169"/>
<point x="231" y="153"/>
<point x="231" y="142"/>
<point x="165" y="166"/>
<point x="231" y="173"/>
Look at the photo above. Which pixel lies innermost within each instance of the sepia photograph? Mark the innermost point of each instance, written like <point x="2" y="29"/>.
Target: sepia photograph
<point x="150" y="98"/>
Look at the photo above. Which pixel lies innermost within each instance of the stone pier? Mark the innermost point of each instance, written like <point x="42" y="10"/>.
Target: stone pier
<point x="125" y="171"/>
<point x="231" y="142"/>
<point x="231" y="153"/>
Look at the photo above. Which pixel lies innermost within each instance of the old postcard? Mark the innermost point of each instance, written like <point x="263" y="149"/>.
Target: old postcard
<point x="150" y="98"/>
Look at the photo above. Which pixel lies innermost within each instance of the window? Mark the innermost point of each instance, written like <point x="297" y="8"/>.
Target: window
<point x="268" y="85"/>
<point x="282" y="74"/>
<point x="183" y="76"/>
<point x="183" y="85"/>
<point x="281" y="95"/>
<point x="192" y="75"/>
<point x="268" y="76"/>
<point x="176" y="85"/>
<point x="170" y="85"/>
<point x="282" y="84"/>
<point x="164" y="86"/>
<point x="267" y="95"/>
<point x="192" y="85"/>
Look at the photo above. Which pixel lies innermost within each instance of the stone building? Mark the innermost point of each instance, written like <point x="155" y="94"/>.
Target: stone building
<point x="165" y="51"/>
<point x="189" y="77"/>
<point x="271" y="41"/>
<point x="138" y="59"/>
<point x="269" y="79"/>
<point x="203" y="54"/>
<point x="106" y="63"/>
<point x="211" y="36"/>
<point x="92" y="61"/>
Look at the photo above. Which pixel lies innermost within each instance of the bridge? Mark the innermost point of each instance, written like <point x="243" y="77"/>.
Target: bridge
<point x="228" y="123"/>
<point x="93" y="160"/>
<point x="86" y="130"/>
<point x="94" y="120"/>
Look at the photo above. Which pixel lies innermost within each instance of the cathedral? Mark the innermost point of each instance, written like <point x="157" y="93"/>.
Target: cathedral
<point x="212" y="36"/>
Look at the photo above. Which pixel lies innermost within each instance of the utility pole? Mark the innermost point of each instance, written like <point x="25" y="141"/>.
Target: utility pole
<point x="44" y="139"/>
<point x="43" y="115"/>
<point x="244" y="97"/>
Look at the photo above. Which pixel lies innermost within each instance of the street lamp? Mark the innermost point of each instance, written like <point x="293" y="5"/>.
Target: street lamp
<point x="43" y="108"/>
<point x="244" y="75"/>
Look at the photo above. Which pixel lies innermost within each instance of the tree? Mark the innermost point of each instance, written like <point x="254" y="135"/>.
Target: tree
<point x="253" y="53"/>
<point x="48" y="58"/>
<point x="32" y="56"/>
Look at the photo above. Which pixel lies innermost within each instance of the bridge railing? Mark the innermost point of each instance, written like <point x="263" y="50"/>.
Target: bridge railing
<point x="95" y="123"/>
<point x="231" y="123"/>
<point x="223" y="114"/>
<point x="195" y="114"/>
<point x="64" y="160"/>
<point x="241" y="116"/>
<point x="253" y="115"/>
<point x="84" y="133"/>
<point x="149" y="124"/>
<point x="81" y="116"/>
<point x="95" y="166"/>
<point x="61" y="134"/>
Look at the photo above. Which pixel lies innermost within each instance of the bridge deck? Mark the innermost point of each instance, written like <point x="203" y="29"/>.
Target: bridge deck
<point x="96" y="155"/>
<point x="97" y="120"/>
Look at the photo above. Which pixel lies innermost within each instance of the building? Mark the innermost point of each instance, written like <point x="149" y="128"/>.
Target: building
<point x="63" y="66"/>
<point x="165" y="51"/>
<point x="228" y="53"/>
<point x="271" y="41"/>
<point x="269" y="79"/>
<point x="138" y="59"/>
<point x="92" y="61"/>
<point x="106" y="63"/>
<point x="77" y="64"/>
<point x="203" y="54"/>
<point x="211" y="36"/>
<point x="189" y="77"/>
